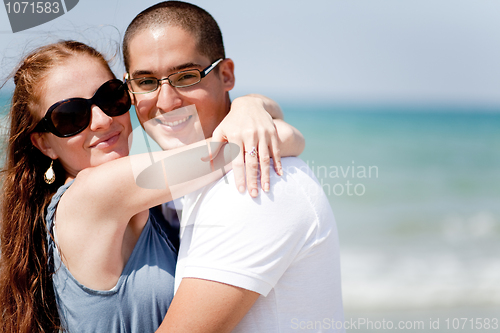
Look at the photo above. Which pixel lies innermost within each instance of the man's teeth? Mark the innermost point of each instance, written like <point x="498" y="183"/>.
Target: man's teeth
<point x="175" y="123"/>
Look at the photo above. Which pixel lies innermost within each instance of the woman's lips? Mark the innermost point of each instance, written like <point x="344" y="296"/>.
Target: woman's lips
<point x="107" y="141"/>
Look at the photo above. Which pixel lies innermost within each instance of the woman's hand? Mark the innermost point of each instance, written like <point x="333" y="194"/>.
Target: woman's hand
<point x="251" y="127"/>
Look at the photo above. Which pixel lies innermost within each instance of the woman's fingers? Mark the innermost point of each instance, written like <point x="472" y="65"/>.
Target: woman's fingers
<point x="252" y="169"/>
<point x="250" y="127"/>
<point x="265" y="166"/>
<point x="276" y="154"/>
<point x="239" y="170"/>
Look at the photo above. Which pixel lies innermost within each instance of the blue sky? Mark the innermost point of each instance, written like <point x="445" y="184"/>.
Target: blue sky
<point x="363" y="51"/>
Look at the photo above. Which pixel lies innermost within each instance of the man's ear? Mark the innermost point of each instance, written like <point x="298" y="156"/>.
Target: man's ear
<point x="226" y="72"/>
<point x="132" y="96"/>
<point x="39" y="140"/>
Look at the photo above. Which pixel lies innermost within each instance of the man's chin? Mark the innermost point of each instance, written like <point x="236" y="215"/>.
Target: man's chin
<point x="170" y="143"/>
<point x="166" y="140"/>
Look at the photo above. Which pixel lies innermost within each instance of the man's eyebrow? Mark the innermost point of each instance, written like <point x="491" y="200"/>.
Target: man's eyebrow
<point x="143" y="73"/>
<point x="184" y="66"/>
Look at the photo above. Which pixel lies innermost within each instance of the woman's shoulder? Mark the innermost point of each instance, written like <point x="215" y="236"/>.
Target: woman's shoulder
<point x="51" y="208"/>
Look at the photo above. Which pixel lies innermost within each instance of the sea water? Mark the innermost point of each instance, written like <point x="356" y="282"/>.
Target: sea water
<point x="416" y="195"/>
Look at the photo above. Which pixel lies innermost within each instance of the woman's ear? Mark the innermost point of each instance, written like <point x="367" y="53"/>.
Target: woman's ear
<point x="226" y="72"/>
<point x="39" y="140"/>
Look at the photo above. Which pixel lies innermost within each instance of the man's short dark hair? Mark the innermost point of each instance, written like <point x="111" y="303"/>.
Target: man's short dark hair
<point x="193" y="19"/>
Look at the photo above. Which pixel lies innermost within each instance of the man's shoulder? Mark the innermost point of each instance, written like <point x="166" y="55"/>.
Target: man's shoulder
<point x="296" y="166"/>
<point x="293" y="168"/>
<point x="293" y="161"/>
<point x="296" y="183"/>
<point x="290" y="166"/>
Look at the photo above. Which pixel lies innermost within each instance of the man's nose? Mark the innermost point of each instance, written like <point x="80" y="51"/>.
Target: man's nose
<point x="169" y="98"/>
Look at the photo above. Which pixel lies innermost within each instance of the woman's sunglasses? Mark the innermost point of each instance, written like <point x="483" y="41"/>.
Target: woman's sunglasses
<point x="71" y="116"/>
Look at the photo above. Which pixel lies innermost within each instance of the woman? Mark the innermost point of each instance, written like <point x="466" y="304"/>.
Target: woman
<point x="122" y="279"/>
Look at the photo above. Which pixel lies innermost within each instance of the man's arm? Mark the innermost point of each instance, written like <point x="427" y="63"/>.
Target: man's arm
<point x="207" y="306"/>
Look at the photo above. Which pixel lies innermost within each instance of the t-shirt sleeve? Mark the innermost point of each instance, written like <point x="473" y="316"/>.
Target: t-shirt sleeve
<point x="248" y="242"/>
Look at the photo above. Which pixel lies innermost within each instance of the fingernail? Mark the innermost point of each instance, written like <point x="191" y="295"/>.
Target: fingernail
<point x="280" y="171"/>
<point x="254" y="193"/>
<point x="266" y="187"/>
<point x="241" y="189"/>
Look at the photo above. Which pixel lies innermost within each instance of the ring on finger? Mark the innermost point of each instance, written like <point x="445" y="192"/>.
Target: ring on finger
<point x="252" y="152"/>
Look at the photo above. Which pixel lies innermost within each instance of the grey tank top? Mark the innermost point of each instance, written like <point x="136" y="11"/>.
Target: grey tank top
<point x="141" y="297"/>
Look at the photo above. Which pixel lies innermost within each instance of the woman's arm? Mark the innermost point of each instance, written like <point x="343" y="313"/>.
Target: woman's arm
<point x="270" y="105"/>
<point x="102" y="214"/>
<point x="117" y="190"/>
<point x="292" y="142"/>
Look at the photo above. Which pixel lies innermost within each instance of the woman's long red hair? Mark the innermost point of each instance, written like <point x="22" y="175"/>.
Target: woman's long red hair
<point x="27" y="299"/>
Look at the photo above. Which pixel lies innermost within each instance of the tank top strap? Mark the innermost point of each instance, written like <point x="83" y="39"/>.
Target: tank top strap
<point x="159" y="222"/>
<point x="49" y="220"/>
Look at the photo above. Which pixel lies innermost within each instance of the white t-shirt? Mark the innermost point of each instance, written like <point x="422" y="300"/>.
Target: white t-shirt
<point x="282" y="245"/>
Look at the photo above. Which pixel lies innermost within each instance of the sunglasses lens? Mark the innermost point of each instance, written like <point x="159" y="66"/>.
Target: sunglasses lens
<point x="113" y="98"/>
<point x="71" y="117"/>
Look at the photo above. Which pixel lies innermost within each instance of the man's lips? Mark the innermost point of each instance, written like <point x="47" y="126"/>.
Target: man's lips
<point x="107" y="140"/>
<point x="172" y="122"/>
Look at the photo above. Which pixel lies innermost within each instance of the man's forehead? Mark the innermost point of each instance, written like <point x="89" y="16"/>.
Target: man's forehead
<point x="170" y="49"/>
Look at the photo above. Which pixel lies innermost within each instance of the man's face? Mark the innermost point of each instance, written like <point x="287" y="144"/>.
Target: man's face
<point x="168" y="114"/>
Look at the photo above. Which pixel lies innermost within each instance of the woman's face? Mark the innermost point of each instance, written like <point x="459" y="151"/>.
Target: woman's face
<point x="105" y="139"/>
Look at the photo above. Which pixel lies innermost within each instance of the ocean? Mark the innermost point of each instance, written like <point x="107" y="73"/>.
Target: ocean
<point x="420" y="233"/>
<point x="416" y="193"/>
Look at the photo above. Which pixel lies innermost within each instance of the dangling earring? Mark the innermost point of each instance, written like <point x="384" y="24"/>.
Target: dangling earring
<point x="50" y="175"/>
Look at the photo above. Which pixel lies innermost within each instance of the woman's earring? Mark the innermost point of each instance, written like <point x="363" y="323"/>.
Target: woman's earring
<point x="50" y="175"/>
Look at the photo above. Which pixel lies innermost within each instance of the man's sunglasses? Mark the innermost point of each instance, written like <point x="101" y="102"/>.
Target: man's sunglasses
<point x="71" y="116"/>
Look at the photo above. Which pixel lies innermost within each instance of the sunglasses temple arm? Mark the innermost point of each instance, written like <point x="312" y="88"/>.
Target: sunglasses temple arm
<point x="40" y="127"/>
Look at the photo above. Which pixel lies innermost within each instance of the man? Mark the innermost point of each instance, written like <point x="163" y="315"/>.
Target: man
<point x="264" y="264"/>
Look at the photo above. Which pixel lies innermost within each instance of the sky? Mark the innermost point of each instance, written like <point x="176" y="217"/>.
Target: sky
<point x="355" y="51"/>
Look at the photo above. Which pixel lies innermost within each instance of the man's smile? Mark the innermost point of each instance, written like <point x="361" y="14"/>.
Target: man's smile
<point x="172" y="123"/>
